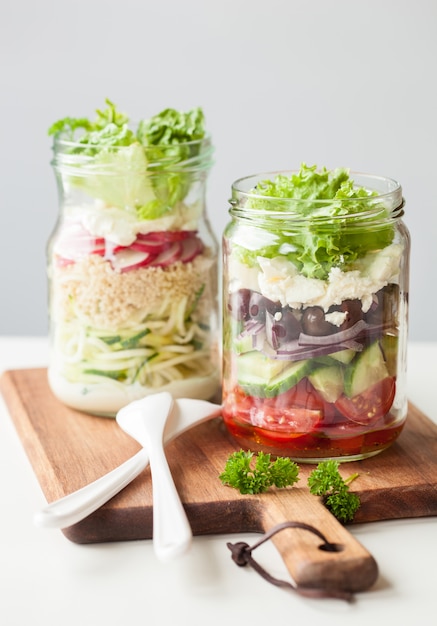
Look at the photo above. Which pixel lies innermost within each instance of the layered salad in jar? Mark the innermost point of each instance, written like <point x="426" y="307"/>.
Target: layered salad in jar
<point x="132" y="261"/>
<point x="315" y="315"/>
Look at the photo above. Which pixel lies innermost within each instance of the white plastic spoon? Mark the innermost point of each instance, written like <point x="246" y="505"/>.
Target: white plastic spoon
<point x="74" y="507"/>
<point x="171" y="529"/>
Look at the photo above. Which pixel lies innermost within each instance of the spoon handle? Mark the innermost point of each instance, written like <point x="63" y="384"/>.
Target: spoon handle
<point x="171" y="529"/>
<point x="75" y="506"/>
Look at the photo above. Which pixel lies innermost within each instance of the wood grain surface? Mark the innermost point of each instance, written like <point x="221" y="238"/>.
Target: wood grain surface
<point x="68" y="449"/>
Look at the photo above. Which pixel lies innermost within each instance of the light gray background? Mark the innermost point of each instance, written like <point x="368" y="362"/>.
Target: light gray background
<point x="339" y="83"/>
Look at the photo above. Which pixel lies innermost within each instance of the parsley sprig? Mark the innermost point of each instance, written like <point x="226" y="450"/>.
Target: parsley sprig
<point x="326" y="481"/>
<point x="253" y="474"/>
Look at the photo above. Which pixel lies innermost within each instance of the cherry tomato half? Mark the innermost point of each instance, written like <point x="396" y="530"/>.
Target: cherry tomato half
<point x="368" y="407"/>
<point x="280" y="417"/>
<point x="291" y="420"/>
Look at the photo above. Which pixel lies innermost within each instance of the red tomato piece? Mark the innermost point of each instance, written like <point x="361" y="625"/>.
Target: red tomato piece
<point x="261" y="413"/>
<point x="368" y="407"/>
<point x="290" y="420"/>
<point x="283" y="440"/>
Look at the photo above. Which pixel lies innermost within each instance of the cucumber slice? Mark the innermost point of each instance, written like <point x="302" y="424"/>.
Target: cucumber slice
<point x="390" y="346"/>
<point x="288" y="378"/>
<point x="243" y="344"/>
<point x="266" y="378"/>
<point x="343" y="356"/>
<point x="255" y="365"/>
<point x="328" y="381"/>
<point x="366" y="370"/>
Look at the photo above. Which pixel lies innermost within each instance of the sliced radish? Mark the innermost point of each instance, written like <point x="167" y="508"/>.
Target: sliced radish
<point x="180" y="235"/>
<point x="78" y="249"/>
<point x="117" y="249"/>
<point x="75" y="242"/>
<point x="169" y="256"/>
<point x="63" y="262"/>
<point x="166" y="235"/>
<point x="99" y="251"/>
<point x="127" y="260"/>
<point x="190" y="249"/>
<point x="156" y="247"/>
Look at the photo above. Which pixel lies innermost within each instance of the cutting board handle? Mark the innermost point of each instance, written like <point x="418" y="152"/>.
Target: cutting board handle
<point x="329" y="559"/>
<point x="242" y="554"/>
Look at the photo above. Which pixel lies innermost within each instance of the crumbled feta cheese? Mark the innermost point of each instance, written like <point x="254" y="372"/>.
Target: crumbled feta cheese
<point x="301" y="290"/>
<point x="280" y="281"/>
<point x="348" y="286"/>
<point x="336" y="317"/>
<point x="277" y="268"/>
<point x="111" y="223"/>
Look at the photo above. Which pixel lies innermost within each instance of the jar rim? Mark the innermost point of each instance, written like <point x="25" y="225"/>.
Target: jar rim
<point x="61" y="141"/>
<point x="159" y="158"/>
<point x="389" y="194"/>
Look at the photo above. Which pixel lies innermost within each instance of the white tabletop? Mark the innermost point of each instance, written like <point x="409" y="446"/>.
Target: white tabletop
<point x="47" y="580"/>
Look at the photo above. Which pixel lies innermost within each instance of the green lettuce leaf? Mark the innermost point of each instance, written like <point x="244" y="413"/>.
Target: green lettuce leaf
<point x="110" y="128"/>
<point x="317" y="243"/>
<point x="120" y="178"/>
<point x="134" y="171"/>
<point x="308" y="184"/>
<point x="171" y="127"/>
<point x="68" y="127"/>
<point x="172" y="139"/>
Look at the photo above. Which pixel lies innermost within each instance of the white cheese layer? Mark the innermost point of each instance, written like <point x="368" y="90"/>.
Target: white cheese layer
<point x="280" y="281"/>
<point x="121" y="227"/>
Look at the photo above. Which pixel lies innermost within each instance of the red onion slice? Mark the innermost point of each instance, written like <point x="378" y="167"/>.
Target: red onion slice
<point x="252" y="328"/>
<point x="335" y="338"/>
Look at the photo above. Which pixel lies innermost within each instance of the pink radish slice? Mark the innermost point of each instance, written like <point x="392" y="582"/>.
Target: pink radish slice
<point x="79" y="249"/>
<point x="100" y="251"/>
<point x="169" y="256"/>
<point x="190" y="249"/>
<point x="74" y="230"/>
<point x="165" y="235"/>
<point x="75" y="242"/>
<point x="156" y="247"/>
<point x="127" y="260"/>
<point x="63" y="262"/>
<point x="117" y="249"/>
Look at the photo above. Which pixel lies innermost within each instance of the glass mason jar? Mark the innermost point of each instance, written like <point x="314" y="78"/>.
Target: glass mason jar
<point x="315" y="309"/>
<point x="132" y="267"/>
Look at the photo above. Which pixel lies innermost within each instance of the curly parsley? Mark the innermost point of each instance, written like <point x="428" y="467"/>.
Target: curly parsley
<point x="326" y="481"/>
<point x="255" y="474"/>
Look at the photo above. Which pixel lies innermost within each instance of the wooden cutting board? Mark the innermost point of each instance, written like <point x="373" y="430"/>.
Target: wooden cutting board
<point x="68" y="449"/>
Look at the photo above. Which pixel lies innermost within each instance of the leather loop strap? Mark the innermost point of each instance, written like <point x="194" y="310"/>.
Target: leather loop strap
<point x="241" y="554"/>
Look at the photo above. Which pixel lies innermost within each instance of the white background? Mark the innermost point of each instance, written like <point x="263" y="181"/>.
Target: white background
<point x="337" y="83"/>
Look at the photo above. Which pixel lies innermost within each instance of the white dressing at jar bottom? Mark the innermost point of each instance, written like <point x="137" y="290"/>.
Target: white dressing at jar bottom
<point x="107" y="398"/>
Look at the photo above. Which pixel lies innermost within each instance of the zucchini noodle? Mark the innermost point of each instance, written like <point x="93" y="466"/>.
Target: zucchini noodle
<point x="165" y="347"/>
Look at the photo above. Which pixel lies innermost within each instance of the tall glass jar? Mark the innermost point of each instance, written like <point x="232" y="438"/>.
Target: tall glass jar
<point x="315" y="318"/>
<point x="132" y="266"/>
